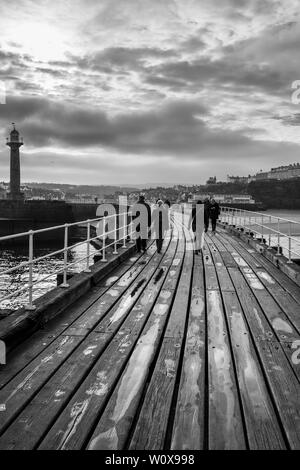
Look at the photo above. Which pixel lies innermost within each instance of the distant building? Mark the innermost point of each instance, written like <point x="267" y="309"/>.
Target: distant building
<point x="224" y="198"/>
<point x="279" y="173"/>
<point x="262" y="175"/>
<point x="238" y="179"/>
<point x="212" y="180"/>
<point x="285" y="172"/>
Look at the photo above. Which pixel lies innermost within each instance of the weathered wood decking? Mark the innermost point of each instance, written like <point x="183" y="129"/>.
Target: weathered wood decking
<point x="172" y="351"/>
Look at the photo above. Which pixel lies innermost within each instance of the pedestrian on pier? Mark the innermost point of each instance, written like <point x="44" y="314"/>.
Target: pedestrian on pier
<point x="214" y="212"/>
<point x="206" y="213"/>
<point x="143" y="226"/>
<point x="196" y="222"/>
<point x="160" y="223"/>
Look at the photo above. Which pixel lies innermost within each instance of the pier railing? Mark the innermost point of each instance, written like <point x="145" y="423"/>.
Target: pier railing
<point x="121" y="232"/>
<point x="275" y="232"/>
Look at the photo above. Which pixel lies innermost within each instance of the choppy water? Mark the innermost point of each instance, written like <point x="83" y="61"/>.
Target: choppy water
<point x="13" y="282"/>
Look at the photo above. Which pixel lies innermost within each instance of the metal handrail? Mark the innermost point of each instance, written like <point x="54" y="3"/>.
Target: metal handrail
<point x="239" y="217"/>
<point x="123" y="231"/>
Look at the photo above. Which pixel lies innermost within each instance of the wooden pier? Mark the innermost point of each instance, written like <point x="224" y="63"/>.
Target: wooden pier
<point x="173" y="351"/>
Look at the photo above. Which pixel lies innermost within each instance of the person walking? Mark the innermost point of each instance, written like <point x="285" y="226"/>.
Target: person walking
<point x="142" y="232"/>
<point x="206" y="213"/>
<point x="196" y="223"/>
<point x="160" y="223"/>
<point x="214" y="212"/>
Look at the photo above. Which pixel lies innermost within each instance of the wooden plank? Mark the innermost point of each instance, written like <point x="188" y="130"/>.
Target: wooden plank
<point x="189" y="422"/>
<point x="287" y="383"/>
<point x="115" y="423"/>
<point x="277" y="318"/>
<point x="111" y="365"/>
<point x="28" y="428"/>
<point x="35" y="344"/>
<point x="211" y="279"/>
<point x="225" y="418"/>
<point x="287" y="303"/>
<point x="176" y="323"/>
<point x="256" y="260"/>
<point x="114" y="296"/>
<point x="22" y="388"/>
<point x="263" y="429"/>
<point x="260" y="327"/>
<point x="284" y="387"/>
<point x="151" y="428"/>
<point x="228" y="259"/>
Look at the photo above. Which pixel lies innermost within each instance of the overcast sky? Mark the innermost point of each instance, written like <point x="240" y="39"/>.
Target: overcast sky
<point x="138" y="91"/>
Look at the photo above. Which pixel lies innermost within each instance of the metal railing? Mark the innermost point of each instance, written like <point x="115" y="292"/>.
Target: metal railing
<point x="272" y="231"/>
<point x="126" y="235"/>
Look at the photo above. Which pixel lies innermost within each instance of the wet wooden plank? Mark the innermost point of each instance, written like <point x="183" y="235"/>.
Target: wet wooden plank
<point x="225" y="418"/>
<point x="189" y="422"/>
<point x="176" y="323"/>
<point x="211" y="279"/>
<point x="284" y="387"/>
<point x="116" y="295"/>
<point x="256" y="260"/>
<point x="286" y="302"/>
<point x="114" y="426"/>
<point x="151" y="428"/>
<point x="263" y="429"/>
<point x="281" y="379"/>
<point x="16" y="394"/>
<point x="228" y="259"/>
<point x="128" y="360"/>
<point x="260" y="325"/>
<point x="36" y="418"/>
<point x="21" y="356"/>
<point x="279" y="321"/>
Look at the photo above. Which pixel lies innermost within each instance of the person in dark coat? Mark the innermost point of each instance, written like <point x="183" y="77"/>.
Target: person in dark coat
<point x="141" y="232"/>
<point x="214" y="212"/>
<point x="206" y="213"/>
<point x="160" y="223"/>
<point x="196" y="223"/>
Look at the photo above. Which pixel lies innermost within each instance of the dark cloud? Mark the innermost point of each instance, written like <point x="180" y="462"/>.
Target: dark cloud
<point x="176" y="129"/>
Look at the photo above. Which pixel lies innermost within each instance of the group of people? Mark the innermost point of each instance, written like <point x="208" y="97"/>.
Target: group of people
<point x="158" y="223"/>
<point x="202" y="213"/>
<point x="211" y="213"/>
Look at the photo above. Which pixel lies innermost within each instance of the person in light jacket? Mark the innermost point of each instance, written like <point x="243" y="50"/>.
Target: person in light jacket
<point x="196" y="222"/>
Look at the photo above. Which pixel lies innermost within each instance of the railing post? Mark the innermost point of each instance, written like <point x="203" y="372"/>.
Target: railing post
<point x="65" y="283"/>
<point x="115" y="252"/>
<point x="262" y="230"/>
<point x="290" y="244"/>
<point x="125" y="233"/>
<point x="87" y="269"/>
<point x="30" y="305"/>
<point x="270" y="223"/>
<point x="104" y="240"/>
<point x="278" y="236"/>
<point x="131" y="229"/>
